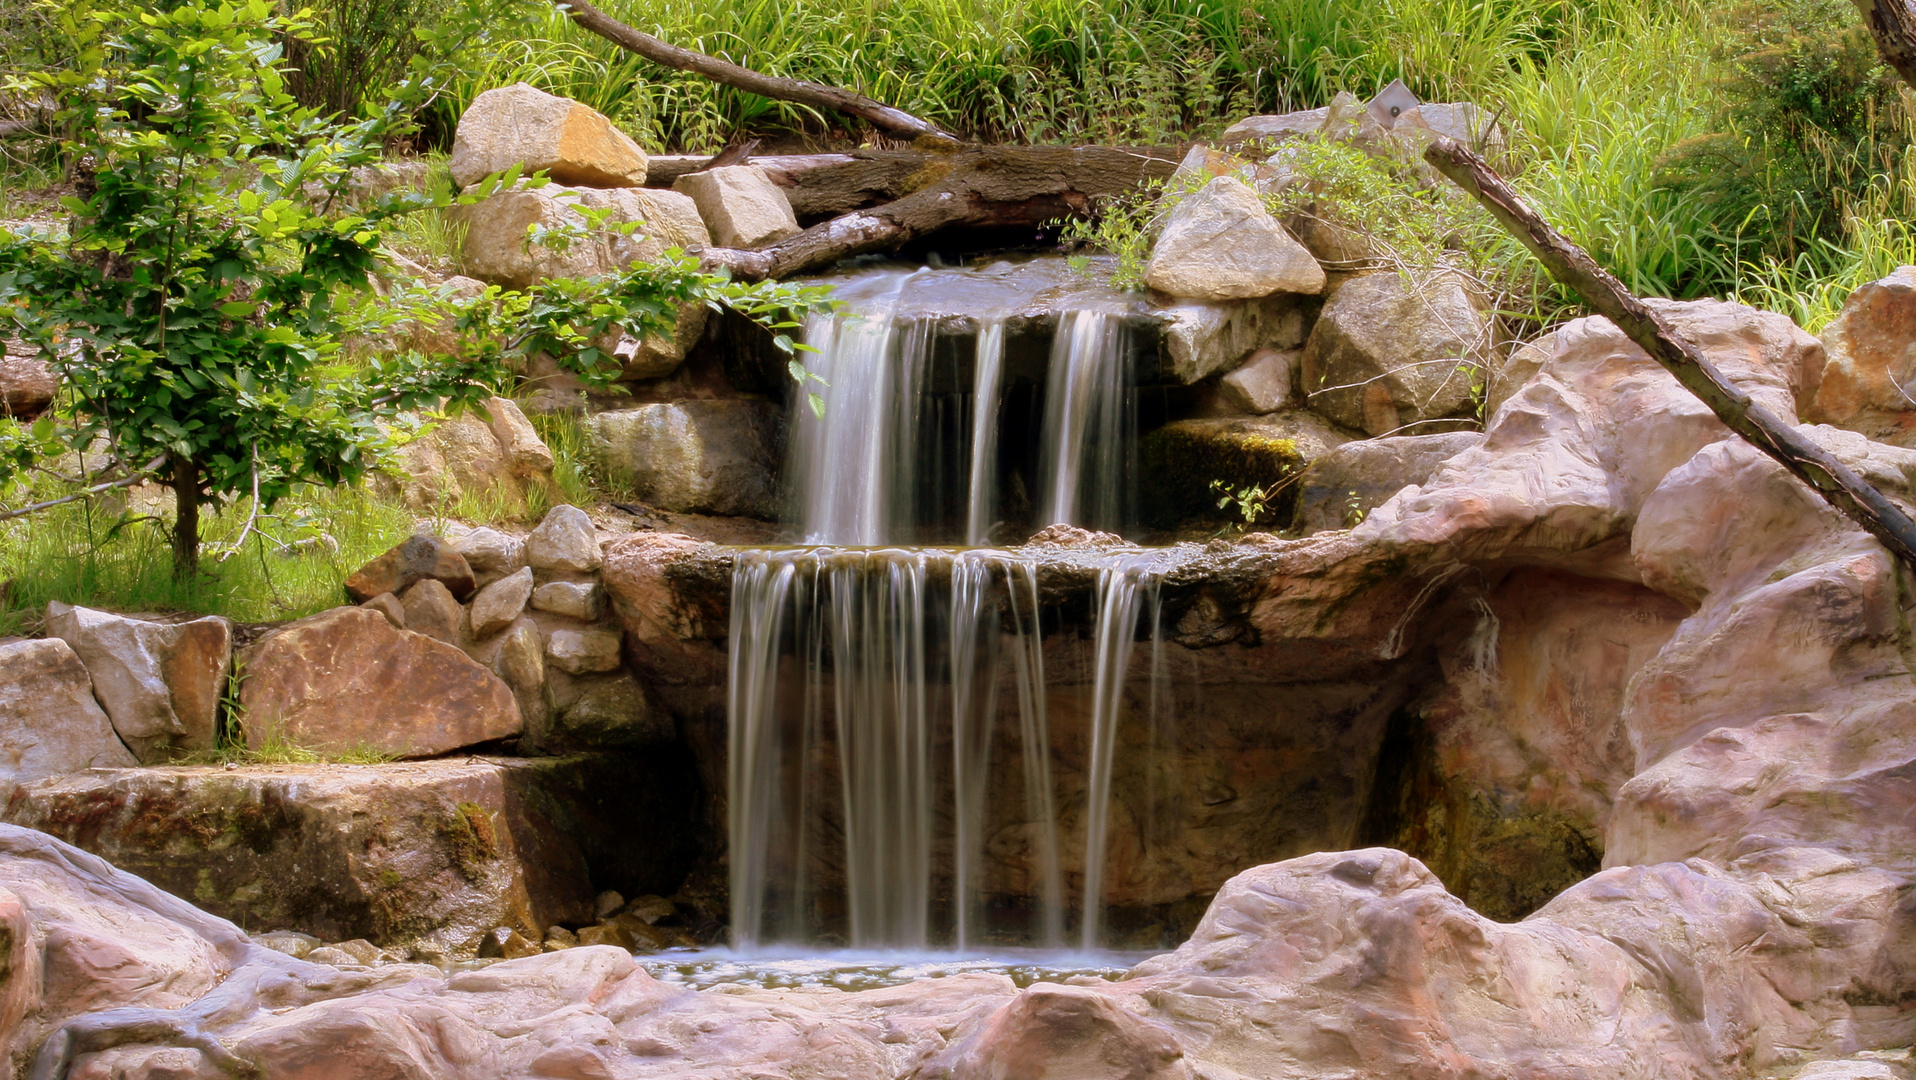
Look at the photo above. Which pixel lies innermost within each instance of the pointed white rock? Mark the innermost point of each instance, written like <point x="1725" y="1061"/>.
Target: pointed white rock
<point x="1221" y="244"/>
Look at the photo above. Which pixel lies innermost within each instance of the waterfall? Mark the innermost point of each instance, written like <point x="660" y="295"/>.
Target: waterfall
<point x="1123" y="584"/>
<point x="1089" y="424"/>
<point x="858" y="665"/>
<point x="986" y="377"/>
<point x="854" y="466"/>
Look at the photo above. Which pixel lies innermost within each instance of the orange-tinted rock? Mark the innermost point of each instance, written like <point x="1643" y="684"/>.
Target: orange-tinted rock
<point x="1869" y="378"/>
<point x="346" y="679"/>
<point x="160" y="683"/>
<point x="416" y="558"/>
<point x="524" y="126"/>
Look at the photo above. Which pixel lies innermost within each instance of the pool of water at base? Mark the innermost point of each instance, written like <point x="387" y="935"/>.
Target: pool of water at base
<point x="704" y="969"/>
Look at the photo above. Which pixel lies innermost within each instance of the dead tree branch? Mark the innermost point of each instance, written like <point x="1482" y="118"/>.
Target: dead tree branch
<point x="1849" y="493"/>
<point x="894" y="122"/>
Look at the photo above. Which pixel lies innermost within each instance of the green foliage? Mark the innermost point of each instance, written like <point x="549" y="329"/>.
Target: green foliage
<point x="1249" y="501"/>
<point x="198" y="307"/>
<point x="194" y="311"/>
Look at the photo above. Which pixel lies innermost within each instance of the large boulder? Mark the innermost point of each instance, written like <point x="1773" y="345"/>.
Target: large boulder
<point x="423" y="854"/>
<point x="524" y="126"/>
<point x="1389" y="352"/>
<point x="740" y="204"/>
<point x="1869" y="379"/>
<point x="492" y="452"/>
<point x="1349" y="481"/>
<point x="160" y="683"/>
<point x="50" y="725"/>
<point x="701" y="457"/>
<point x="496" y="251"/>
<point x="347" y="680"/>
<point x="1221" y="244"/>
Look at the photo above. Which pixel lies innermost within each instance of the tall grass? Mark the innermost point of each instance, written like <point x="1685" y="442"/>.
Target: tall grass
<point x="1042" y="70"/>
<point x="109" y="555"/>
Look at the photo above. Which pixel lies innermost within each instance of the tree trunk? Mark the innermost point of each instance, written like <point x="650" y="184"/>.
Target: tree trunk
<point x="186" y="519"/>
<point x="1849" y="493"/>
<point x="894" y="122"/>
<point x="990" y="187"/>
<point x="1893" y="24"/>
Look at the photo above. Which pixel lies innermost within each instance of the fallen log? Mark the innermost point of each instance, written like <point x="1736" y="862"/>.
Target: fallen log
<point x="1849" y="493"/>
<point x="987" y="187"/>
<point x="820" y="185"/>
<point x="894" y="122"/>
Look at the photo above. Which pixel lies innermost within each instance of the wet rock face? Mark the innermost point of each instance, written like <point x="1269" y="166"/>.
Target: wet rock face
<point x="1349" y="480"/>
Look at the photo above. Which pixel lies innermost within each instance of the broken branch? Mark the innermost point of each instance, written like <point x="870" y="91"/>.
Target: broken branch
<point x="1849" y="493"/>
<point x="894" y="122"/>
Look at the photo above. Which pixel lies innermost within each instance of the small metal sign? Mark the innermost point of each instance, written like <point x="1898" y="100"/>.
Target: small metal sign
<point x="1392" y="102"/>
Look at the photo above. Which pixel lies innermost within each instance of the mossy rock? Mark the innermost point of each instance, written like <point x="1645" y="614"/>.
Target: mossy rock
<point x="1181" y="460"/>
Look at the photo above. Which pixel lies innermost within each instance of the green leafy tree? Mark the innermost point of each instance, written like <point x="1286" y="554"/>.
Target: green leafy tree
<point x="198" y="305"/>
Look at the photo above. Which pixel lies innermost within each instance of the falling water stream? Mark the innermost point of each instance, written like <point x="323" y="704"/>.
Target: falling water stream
<point x="894" y="773"/>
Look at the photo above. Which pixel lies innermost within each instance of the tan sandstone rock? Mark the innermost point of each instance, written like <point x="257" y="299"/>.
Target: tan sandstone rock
<point x="49" y="723"/>
<point x="1388" y="353"/>
<point x="495" y="248"/>
<point x="27" y="382"/>
<point x="701" y="457"/>
<point x="1221" y="244"/>
<point x="740" y="204"/>
<point x="345" y="680"/>
<point x="521" y="125"/>
<point x="1869" y="381"/>
<point x="161" y="683"/>
<point x="417" y="557"/>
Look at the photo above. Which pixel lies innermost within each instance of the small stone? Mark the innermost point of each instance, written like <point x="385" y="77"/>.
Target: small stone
<point x="506" y="943"/>
<point x="291" y="942"/>
<point x="578" y="652"/>
<point x="582" y="600"/>
<point x="741" y="205"/>
<point x="558" y="937"/>
<point x="1263" y="384"/>
<point x="608" y="934"/>
<point x="564" y="542"/>
<point x="651" y="909"/>
<point x="388" y="605"/>
<point x="431" y="610"/>
<point x="500" y="604"/>
<point x="1221" y="244"/>
<point x="522" y="125"/>
<point x="361" y="950"/>
<point x="333" y="956"/>
<point x="607" y="904"/>
<point x="491" y="554"/>
<point x="416" y="558"/>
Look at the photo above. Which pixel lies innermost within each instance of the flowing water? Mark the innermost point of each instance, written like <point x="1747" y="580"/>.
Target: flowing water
<point x="895" y="776"/>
